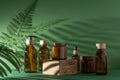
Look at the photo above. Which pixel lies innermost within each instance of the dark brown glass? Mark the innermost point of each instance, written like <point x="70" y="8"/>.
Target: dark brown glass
<point x="59" y="51"/>
<point x="44" y="55"/>
<point x="101" y="62"/>
<point x="76" y="57"/>
<point x="30" y="59"/>
<point x="88" y="64"/>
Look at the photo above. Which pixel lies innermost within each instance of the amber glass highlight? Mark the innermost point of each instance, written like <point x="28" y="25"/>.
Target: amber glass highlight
<point x="44" y="53"/>
<point x="59" y="51"/>
<point x="101" y="59"/>
<point x="76" y="57"/>
<point x="30" y="57"/>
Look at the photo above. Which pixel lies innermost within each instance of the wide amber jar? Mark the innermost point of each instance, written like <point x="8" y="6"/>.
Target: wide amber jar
<point x="88" y="64"/>
<point x="59" y="51"/>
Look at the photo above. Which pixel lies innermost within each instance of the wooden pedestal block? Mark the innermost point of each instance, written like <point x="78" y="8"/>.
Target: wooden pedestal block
<point x="59" y="67"/>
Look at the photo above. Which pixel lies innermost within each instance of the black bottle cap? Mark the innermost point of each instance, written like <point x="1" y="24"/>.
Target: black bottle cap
<point x="31" y="36"/>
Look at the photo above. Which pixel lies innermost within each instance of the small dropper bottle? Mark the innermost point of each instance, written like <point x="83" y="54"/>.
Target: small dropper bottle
<point x="76" y="57"/>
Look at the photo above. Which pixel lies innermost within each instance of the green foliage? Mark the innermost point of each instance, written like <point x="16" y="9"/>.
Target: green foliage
<point x="16" y="30"/>
<point x="7" y="55"/>
<point x="14" y="39"/>
<point x="21" y="26"/>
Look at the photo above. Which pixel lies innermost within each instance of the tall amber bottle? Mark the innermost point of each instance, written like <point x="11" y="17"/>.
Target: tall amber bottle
<point x="76" y="57"/>
<point x="101" y="59"/>
<point x="30" y="56"/>
<point x="44" y="53"/>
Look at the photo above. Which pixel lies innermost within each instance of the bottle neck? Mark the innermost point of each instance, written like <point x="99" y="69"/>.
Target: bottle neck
<point x="43" y="45"/>
<point x="75" y="53"/>
<point x="29" y="45"/>
<point x="29" y="42"/>
<point x="100" y="49"/>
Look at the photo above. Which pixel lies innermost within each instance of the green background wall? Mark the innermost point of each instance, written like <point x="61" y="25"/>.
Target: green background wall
<point x="91" y="21"/>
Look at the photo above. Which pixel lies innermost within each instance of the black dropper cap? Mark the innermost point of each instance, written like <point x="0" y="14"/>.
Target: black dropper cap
<point x="30" y="37"/>
<point x="75" y="48"/>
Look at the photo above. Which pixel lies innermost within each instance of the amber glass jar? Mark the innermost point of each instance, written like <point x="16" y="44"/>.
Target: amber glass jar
<point x="59" y="51"/>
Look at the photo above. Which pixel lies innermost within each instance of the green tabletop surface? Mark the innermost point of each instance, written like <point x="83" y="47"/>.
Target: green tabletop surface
<point x="112" y="75"/>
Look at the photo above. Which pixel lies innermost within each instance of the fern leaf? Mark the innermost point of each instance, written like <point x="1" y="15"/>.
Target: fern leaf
<point x="16" y="21"/>
<point x="13" y="25"/>
<point x="49" y="24"/>
<point x="5" y="65"/>
<point x="16" y="27"/>
<point x="10" y="60"/>
<point x="7" y="35"/>
<point x="11" y="57"/>
<point x="2" y="38"/>
<point x="3" y="71"/>
<point x="10" y="31"/>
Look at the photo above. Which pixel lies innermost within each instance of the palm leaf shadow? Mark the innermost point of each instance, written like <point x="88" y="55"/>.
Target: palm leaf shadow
<point x="85" y="34"/>
<point x="52" y="66"/>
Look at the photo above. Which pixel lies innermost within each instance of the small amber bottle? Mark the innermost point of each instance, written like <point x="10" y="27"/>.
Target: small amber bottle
<point x="44" y="54"/>
<point x="76" y="57"/>
<point x="30" y="56"/>
<point x="101" y="59"/>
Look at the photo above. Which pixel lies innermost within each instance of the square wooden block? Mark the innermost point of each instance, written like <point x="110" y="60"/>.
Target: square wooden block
<point x="59" y="67"/>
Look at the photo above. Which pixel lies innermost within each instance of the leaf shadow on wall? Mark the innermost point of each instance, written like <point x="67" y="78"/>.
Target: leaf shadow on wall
<point x="85" y="34"/>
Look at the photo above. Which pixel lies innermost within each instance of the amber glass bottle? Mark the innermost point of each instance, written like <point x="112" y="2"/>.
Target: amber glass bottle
<point x="30" y="56"/>
<point x="44" y="53"/>
<point x="76" y="57"/>
<point x="101" y="59"/>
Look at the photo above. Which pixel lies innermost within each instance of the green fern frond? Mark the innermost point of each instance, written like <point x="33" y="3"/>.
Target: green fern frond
<point x="10" y="56"/>
<point x="10" y="31"/>
<point x="49" y="24"/>
<point x="16" y="29"/>
<point x="3" y="71"/>
<point x="5" y="65"/>
<point x="13" y="25"/>
<point x="7" y="35"/>
<point x="16" y="21"/>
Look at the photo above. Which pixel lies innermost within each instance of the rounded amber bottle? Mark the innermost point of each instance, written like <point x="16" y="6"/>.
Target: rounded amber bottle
<point x="30" y="56"/>
<point x="76" y="57"/>
<point x="43" y="54"/>
<point x="101" y="59"/>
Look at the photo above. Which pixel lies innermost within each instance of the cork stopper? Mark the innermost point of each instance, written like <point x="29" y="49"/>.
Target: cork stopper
<point x="101" y="46"/>
<point x="29" y="41"/>
<point x="43" y="42"/>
